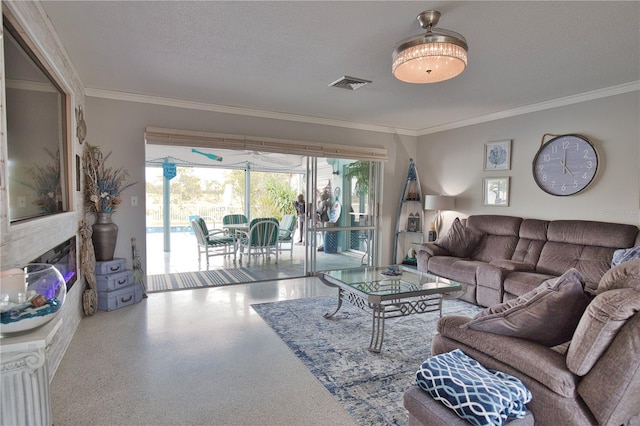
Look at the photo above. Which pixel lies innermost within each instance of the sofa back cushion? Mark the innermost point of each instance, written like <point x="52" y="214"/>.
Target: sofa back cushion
<point x="591" y="261"/>
<point x="500" y="236"/>
<point x="584" y="245"/>
<point x="589" y="233"/>
<point x="533" y="236"/>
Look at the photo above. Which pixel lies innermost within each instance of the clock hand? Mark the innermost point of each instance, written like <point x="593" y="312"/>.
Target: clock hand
<point x="565" y="169"/>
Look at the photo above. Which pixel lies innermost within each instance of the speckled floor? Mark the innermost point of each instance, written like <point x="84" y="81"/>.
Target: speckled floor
<point x="182" y="257"/>
<point x="191" y="357"/>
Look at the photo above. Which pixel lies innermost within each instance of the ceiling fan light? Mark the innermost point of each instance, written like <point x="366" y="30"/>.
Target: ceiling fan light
<point x="432" y="57"/>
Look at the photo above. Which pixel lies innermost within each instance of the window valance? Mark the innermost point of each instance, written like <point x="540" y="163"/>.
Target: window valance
<point x="174" y="137"/>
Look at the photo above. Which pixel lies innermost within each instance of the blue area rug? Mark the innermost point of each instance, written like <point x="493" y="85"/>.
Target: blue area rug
<point x="370" y="386"/>
<point x="186" y="280"/>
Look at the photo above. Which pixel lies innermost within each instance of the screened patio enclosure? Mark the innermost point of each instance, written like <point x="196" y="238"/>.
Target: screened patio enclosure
<point x="182" y="182"/>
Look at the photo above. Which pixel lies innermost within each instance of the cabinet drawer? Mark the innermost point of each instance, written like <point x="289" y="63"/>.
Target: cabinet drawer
<point x="110" y="266"/>
<point x="111" y="300"/>
<point x="114" y="281"/>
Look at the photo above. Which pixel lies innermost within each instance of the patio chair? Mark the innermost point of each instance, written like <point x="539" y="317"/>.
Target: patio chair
<point x="212" y="243"/>
<point x="233" y="219"/>
<point x="288" y="227"/>
<point x="261" y="239"/>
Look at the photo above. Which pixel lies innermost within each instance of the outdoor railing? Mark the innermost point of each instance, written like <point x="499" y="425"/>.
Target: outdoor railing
<point x="179" y="215"/>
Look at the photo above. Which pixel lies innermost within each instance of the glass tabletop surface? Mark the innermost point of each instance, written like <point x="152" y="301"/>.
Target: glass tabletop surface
<point x="380" y="281"/>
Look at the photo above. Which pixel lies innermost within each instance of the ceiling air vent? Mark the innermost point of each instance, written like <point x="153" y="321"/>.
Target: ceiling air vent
<point x="349" y="83"/>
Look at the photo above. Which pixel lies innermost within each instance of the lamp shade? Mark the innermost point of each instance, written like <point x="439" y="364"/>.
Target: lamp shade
<point x="438" y="202"/>
<point x="435" y="56"/>
<point x="429" y="59"/>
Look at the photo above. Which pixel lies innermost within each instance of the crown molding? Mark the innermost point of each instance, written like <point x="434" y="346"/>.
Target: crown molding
<point x="568" y="100"/>
<point x="201" y="106"/>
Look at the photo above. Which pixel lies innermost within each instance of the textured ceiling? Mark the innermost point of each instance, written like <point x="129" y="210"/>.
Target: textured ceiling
<point x="279" y="57"/>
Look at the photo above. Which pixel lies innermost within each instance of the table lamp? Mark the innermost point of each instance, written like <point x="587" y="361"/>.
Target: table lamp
<point x="438" y="203"/>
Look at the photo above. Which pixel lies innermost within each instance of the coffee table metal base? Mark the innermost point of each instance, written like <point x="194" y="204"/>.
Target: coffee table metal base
<point x="387" y="309"/>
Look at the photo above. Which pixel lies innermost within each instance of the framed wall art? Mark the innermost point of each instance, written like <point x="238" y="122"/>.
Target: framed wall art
<point x="495" y="191"/>
<point x="413" y="223"/>
<point x="497" y="155"/>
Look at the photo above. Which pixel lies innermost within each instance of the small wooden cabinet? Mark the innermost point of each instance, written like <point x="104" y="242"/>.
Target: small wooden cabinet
<point x="410" y="222"/>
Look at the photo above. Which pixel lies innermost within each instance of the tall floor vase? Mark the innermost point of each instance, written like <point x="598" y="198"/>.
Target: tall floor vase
<point x="105" y="235"/>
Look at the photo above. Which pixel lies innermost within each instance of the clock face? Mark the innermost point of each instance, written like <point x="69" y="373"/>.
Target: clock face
<point x="565" y="165"/>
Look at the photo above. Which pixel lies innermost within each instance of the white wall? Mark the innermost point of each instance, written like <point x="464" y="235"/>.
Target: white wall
<point x="118" y="126"/>
<point x="23" y="242"/>
<point x="450" y="162"/>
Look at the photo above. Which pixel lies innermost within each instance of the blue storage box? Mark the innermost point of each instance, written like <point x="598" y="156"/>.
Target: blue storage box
<point x="107" y="267"/>
<point x="114" y="281"/>
<point x="116" y="299"/>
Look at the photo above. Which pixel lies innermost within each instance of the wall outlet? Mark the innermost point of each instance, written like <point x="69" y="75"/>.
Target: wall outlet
<point x="134" y="201"/>
<point x="22" y="201"/>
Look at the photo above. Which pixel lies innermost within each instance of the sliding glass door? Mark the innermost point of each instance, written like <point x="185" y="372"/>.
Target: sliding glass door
<point x="340" y="223"/>
<point x="342" y="213"/>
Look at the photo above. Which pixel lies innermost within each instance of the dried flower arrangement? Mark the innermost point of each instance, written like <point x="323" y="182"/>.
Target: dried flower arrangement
<point x="45" y="182"/>
<point x="103" y="185"/>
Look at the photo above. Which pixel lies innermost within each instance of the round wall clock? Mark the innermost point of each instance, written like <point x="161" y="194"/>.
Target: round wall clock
<point x="565" y="165"/>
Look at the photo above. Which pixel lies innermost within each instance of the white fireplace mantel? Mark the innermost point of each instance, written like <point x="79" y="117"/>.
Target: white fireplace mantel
<point x="25" y="367"/>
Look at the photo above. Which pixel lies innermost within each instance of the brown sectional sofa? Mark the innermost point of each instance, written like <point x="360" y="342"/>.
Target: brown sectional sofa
<point x="592" y="380"/>
<point x="595" y="380"/>
<point x="514" y="255"/>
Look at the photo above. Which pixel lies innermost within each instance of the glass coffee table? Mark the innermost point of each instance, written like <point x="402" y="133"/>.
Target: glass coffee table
<point x="376" y="289"/>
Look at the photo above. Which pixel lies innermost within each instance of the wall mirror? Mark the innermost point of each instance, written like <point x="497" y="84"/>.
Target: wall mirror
<point x="36" y="120"/>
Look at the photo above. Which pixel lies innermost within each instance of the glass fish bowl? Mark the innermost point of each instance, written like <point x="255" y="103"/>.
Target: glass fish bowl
<point x="30" y="297"/>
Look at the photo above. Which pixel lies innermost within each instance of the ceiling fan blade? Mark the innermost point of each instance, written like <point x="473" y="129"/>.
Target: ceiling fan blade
<point x="210" y="156"/>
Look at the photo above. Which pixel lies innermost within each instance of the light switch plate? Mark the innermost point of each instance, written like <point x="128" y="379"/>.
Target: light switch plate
<point x="134" y="201"/>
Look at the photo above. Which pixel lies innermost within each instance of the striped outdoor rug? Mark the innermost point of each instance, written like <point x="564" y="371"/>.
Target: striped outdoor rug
<point x="185" y="280"/>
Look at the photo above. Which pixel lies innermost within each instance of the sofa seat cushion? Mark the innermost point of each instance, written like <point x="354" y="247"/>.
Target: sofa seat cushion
<point x="426" y="411"/>
<point x="512" y="265"/>
<point x="471" y="391"/>
<point x="547" y="315"/>
<point x="519" y="283"/>
<point x="454" y="268"/>
<point x="460" y="241"/>
<point x="541" y="363"/>
<point x="604" y="317"/>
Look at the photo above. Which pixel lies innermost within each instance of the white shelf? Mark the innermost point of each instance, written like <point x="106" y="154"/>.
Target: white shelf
<point x="410" y="215"/>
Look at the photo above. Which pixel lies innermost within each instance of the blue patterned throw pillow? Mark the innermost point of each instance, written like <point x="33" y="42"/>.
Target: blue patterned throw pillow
<point x="478" y="395"/>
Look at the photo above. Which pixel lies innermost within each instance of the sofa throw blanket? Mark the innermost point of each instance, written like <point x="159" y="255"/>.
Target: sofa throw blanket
<point x="478" y="395"/>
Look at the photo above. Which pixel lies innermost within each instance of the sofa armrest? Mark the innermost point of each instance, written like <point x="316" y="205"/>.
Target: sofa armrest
<point x="432" y="249"/>
<point x="427" y="250"/>
<point x="490" y="279"/>
<point x="539" y="362"/>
